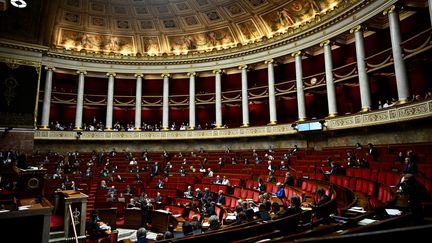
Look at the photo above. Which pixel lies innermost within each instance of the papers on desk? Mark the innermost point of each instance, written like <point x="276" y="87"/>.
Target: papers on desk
<point x="357" y="210"/>
<point x="25" y="207"/>
<point x="177" y="215"/>
<point x="393" y="212"/>
<point x="205" y="224"/>
<point x="366" y="221"/>
<point x="231" y="216"/>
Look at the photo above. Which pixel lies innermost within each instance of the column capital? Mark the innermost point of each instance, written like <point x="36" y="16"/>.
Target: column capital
<point x="165" y="75"/>
<point x="138" y="75"/>
<point x="357" y="29"/>
<point x="111" y="74"/>
<point x="84" y="72"/>
<point x="297" y="53"/>
<point x="325" y="43"/>
<point x="269" y="61"/>
<point x="48" y="68"/>
<point x="218" y="71"/>
<point x="244" y="66"/>
<point x="192" y="74"/>
<point x="391" y="9"/>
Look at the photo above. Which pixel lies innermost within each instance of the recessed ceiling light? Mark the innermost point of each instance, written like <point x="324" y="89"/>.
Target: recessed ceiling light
<point x="18" y="3"/>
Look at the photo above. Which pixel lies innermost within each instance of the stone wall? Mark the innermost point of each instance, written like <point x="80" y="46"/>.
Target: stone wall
<point x="19" y="140"/>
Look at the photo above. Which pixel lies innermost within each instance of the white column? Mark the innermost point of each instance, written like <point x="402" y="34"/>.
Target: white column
<point x="331" y="91"/>
<point x="80" y="100"/>
<point x="165" y="102"/>
<point x="110" y="101"/>
<point x="430" y="10"/>
<point x="47" y="98"/>
<point x="192" y="100"/>
<point x="301" y="105"/>
<point x="245" y="102"/>
<point x="271" y="92"/>
<point x="365" y="94"/>
<point x="398" y="62"/>
<point x="138" y="95"/>
<point x="218" y="94"/>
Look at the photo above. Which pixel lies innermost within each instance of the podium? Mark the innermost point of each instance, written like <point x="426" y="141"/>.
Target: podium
<point x="75" y="206"/>
<point x="32" y="220"/>
<point x="30" y="182"/>
<point x="161" y="219"/>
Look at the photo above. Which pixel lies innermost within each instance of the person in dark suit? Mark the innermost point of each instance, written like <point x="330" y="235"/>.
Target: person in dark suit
<point x="372" y="151"/>
<point x="221" y="198"/>
<point x="141" y="235"/>
<point x="322" y="197"/>
<point x="155" y="169"/>
<point x="261" y="185"/>
<point x="289" y="179"/>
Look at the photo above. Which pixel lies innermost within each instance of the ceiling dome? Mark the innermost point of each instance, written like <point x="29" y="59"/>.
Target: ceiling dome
<point x="167" y="27"/>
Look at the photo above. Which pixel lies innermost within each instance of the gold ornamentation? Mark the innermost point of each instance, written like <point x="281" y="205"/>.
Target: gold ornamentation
<point x="10" y="84"/>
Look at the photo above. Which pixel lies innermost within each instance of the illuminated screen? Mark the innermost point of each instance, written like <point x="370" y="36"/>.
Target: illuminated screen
<point x="309" y="126"/>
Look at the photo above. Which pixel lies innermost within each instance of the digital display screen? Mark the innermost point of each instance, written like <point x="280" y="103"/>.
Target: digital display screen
<point x="309" y="126"/>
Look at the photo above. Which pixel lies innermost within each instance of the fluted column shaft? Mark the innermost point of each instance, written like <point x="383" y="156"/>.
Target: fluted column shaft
<point x="301" y="106"/>
<point x="165" y="101"/>
<point x="245" y="102"/>
<point x="430" y="10"/>
<point x="80" y="100"/>
<point x="365" y="93"/>
<point x="192" y="100"/>
<point x="138" y="97"/>
<point x="110" y="101"/>
<point x="331" y="91"/>
<point x="398" y="62"/>
<point x="218" y="94"/>
<point x="47" y="98"/>
<point x="271" y="92"/>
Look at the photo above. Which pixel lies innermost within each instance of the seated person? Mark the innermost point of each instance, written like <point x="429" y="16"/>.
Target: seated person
<point x="188" y="193"/>
<point x="261" y="185"/>
<point x="280" y="193"/>
<point x="214" y="223"/>
<point x="322" y="197"/>
<point x="97" y="228"/>
<point x="141" y="235"/>
<point x="187" y="228"/>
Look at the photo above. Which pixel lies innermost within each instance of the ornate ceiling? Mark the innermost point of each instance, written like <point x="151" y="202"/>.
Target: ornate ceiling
<point x="159" y="27"/>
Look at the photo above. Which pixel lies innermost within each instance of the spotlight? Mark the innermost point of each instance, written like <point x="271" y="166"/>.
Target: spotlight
<point x="18" y="3"/>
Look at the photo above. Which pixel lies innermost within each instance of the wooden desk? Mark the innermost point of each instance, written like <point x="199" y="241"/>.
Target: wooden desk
<point x="161" y="219"/>
<point x="34" y="219"/>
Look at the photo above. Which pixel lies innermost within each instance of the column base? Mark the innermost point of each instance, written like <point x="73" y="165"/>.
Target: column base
<point x="165" y="129"/>
<point x="191" y="128"/>
<point x="365" y="109"/>
<point x="245" y="125"/>
<point x="271" y="123"/>
<point x="137" y="129"/>
<point x="402" y="101"/>
<point x="218" y="126"/>
<point x="301" y="119"/>
<point x="44" y="128"/>
<point x="331" y="115"/>
<point x="77" y="129"/>
<point x="108" y="129"/>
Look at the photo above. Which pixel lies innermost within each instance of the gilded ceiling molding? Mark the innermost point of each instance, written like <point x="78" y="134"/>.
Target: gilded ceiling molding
<point x="325" y="43"/>
<point x="194" y="74"/>
<point x="138" y="75"/>
<point x="297" y="53"/>
<point x="81" y="72"/>
<point x="110" y="74"/>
